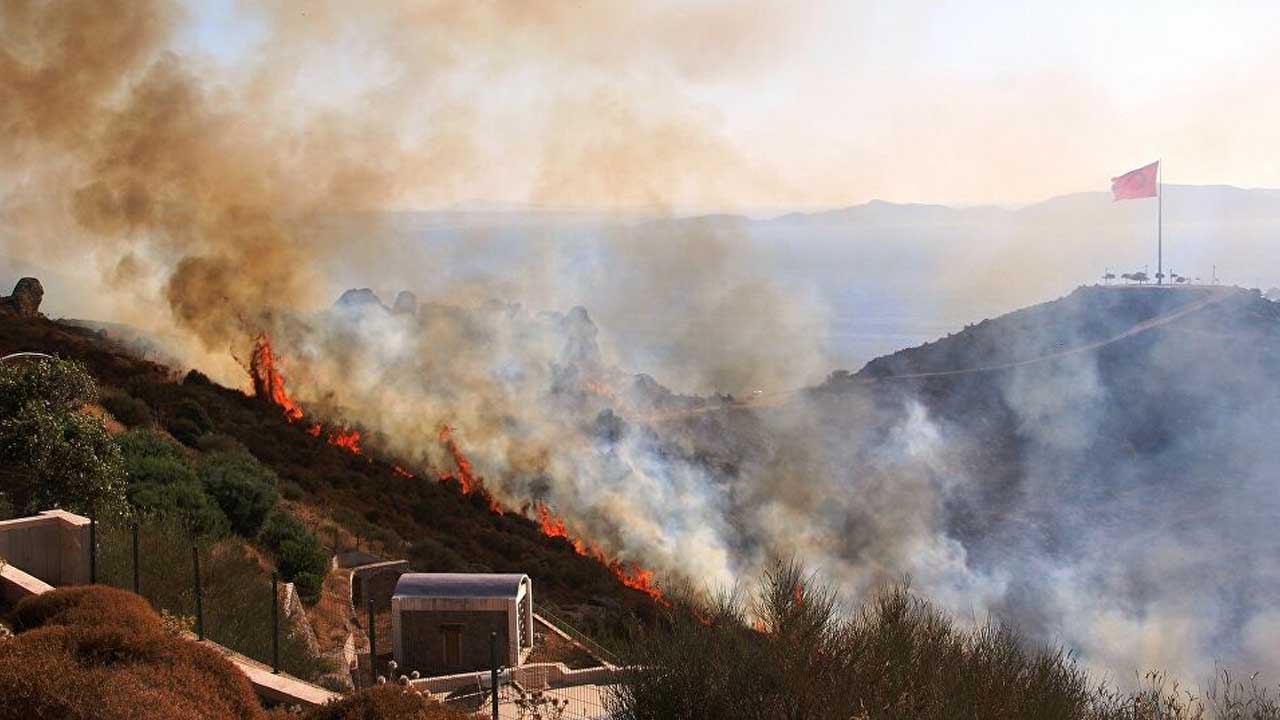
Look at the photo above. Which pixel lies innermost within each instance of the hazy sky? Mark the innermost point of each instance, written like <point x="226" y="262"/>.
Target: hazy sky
<point x="829" y="103"/>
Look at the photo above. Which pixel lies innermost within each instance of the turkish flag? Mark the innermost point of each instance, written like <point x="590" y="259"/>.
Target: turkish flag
<point x="1140" y="183"/>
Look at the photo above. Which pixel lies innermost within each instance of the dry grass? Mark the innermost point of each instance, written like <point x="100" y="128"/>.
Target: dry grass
<point x="789" y="652"/>
<point x="97" y="652"/>
<point x="331" y="614"/>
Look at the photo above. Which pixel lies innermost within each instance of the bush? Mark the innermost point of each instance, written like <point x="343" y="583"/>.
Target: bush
<point x="788" y="652"/>
<point x="308" y="586"/>
<point x="97" y="652"/>
<point x="184" y="501"/>
<point x="386" y="702"/>
<point x="298" y="553"/>
<point x="137" y="444"/>
<point x="292" y="490"/>
<point x="52" y="455"/>
<point x="242" y="487"/>
<point x="185" y="431"/>
<point x="129" y="410"/>
<point x="217" y="442"/>
<point x="194" y="413"/>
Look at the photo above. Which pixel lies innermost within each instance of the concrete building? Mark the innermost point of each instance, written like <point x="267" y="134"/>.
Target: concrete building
<point x="441" y="622"/>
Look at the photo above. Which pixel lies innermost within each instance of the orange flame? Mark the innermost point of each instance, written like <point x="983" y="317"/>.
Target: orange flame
<point x="268" y="383"/>
<point x="466" y="476"/>
<point x="348" y="440"/>
<point x="629" y="574"/>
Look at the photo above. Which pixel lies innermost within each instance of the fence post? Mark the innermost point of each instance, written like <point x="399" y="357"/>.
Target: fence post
<point x="137" y="578"/>
<point x="373" y="648"/>
<point x="93" y="547"/>
<point x="493" y="670"/>
<point x="195" y="562"/>
<point x="275" y="623"/>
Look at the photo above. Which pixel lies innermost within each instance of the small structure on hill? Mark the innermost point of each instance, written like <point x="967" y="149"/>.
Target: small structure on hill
<point x="441" y="622"/>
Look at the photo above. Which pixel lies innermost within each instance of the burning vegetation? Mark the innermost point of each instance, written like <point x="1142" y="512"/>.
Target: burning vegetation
<point x="269" y="385"/>
<point x="629" y="574"/>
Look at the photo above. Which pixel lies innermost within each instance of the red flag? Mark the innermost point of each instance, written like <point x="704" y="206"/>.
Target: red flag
<point x="1140" y="183"/>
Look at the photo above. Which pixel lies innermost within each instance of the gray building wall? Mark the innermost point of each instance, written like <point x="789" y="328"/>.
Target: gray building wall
<point x="422" y="635"/>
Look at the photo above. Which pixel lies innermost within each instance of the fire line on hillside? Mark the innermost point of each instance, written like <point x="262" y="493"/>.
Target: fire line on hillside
<point x="269" y="385"/>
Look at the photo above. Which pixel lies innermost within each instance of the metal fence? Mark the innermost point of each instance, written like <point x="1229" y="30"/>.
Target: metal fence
<point x="524" y="698"/>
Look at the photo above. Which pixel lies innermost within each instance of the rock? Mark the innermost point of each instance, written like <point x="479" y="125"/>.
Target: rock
<point x="25" y="300"/>
<point x="358" y="300"/>
<point x="406" y="304"/>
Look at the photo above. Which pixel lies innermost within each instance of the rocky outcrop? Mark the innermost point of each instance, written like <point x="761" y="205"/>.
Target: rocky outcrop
<point x="25" y="300"/>
<point x="406" y="304"/>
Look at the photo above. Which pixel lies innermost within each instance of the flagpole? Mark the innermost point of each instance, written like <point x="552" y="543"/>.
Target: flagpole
<point x="1160" y="222"/>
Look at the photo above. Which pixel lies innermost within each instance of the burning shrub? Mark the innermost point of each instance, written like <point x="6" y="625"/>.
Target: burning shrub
<point x="102" y="653"/>
<point x="242" y="487"/>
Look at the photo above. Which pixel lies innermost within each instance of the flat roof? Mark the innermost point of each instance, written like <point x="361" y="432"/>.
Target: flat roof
<point x="461" y="585"/>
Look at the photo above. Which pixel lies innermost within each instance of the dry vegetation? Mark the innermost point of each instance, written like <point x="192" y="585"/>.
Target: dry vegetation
<point x="97" y="652"/>
<point x="102" y="653"/>
<point x="790" y="652"/>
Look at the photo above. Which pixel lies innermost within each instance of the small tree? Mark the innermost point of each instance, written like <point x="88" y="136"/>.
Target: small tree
<point x="51" y="453"/>
<point x="243" y="487"/>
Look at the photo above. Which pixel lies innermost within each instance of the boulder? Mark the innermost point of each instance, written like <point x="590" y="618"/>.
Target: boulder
<point x="25" y="300"/>
<point x="406" y="304"/>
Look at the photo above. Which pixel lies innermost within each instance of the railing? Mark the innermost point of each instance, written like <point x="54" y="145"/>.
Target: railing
<point x="577" y="636"/>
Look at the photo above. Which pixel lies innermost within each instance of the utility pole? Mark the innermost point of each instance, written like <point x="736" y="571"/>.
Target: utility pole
<point x="1160" y="222"/>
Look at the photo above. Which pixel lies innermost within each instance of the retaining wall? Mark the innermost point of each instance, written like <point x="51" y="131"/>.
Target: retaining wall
<point x="52" y="546"/>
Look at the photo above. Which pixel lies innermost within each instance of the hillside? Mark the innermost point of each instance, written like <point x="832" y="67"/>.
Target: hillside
<point x="430" y="521"/>
<point x="1097" y="469"/>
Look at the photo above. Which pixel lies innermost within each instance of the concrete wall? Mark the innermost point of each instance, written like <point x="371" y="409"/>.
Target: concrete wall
<point x="52" y="546"/>
<point x="376" y="581"/>
<point x="535" y="676"/>
<point x="16" y="585"/>
<point x="422" y="640"/>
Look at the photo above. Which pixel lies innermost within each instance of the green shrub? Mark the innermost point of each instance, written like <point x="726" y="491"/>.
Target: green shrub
<point x="292" y="490"/>
<point x="185" y="431"/>
<point x="147" y="444"/>
<point x="129" y="410"/>
<point x="159" y="470"/>
<point x="183" y="500"/>
<point x="308" y="586"/>
<point x="194" y="413"/>
<point x="217" y="442"/>
<point x="51" y="454"/>
<point x="242" y="487"/>
<point x="298" y="552"/>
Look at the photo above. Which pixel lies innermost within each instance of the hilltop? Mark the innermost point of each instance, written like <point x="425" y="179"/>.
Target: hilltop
<point x="1097" y="470"/>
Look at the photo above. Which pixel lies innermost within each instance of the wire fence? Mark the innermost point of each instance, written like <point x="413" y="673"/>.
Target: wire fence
<point x="527" y="695"/>
<point x="219" y="592"/>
